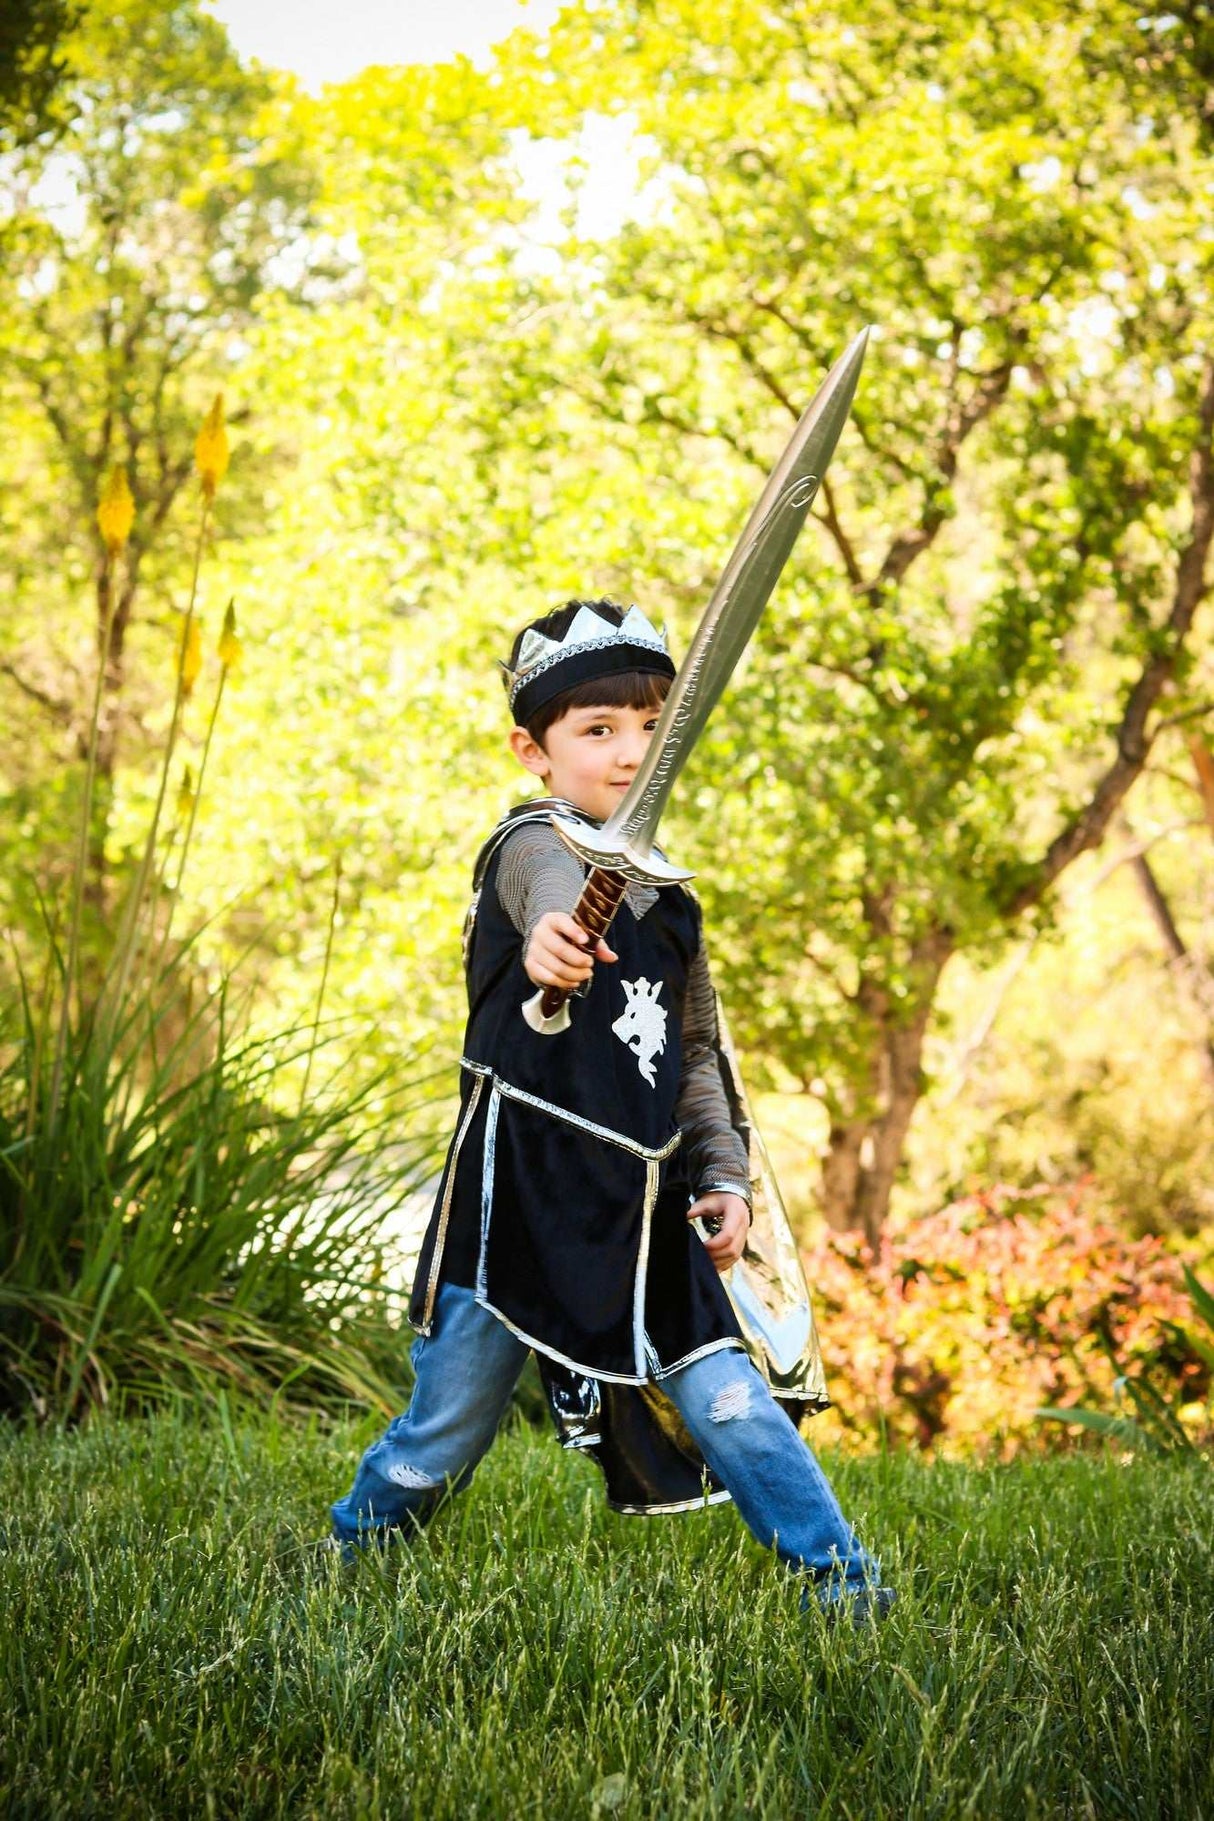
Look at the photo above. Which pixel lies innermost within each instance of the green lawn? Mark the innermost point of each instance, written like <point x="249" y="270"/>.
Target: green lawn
<point x="163" y="1652"/>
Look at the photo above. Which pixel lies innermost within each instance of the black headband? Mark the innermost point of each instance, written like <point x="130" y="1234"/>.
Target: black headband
<point x="586" y="664"/>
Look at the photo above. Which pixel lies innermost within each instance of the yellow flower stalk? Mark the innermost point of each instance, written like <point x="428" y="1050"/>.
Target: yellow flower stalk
<point x="191" y="654"/>
<point x="230" y="648"/>
<point x="211" y="456"/>
<point x="115" y="511"/>
<point x="185" y="795"/>
<point x="211" y="449"/>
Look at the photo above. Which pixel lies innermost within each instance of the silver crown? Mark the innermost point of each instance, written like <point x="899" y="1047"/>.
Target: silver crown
<point x="588" y="629"/>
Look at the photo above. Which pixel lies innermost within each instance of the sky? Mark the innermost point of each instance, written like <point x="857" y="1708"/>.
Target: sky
<point x="328" y="40"/>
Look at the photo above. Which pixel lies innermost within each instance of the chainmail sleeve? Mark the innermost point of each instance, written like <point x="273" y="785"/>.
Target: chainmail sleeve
<point x="537" y="874"/>
<point x="716" y="1154"/>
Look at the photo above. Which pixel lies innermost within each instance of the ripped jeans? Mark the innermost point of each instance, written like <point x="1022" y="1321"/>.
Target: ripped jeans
<point x="465" y="1372"/>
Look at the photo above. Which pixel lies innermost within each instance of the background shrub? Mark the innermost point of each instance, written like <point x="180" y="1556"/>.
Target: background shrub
<point x="961" y="1326"/>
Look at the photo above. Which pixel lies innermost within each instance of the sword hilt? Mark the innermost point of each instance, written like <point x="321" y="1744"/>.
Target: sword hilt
<point x="613" y="867"/>
<point x="600" y="899"/>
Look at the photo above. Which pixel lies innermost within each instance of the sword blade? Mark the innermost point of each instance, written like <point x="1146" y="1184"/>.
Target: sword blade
<point x="725" y="630"/>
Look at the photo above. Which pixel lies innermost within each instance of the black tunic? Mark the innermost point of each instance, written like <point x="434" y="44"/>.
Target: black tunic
<point x="563" y="1201"/>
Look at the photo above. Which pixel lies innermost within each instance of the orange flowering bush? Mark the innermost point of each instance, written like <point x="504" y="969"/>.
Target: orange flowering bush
<point x="966" y="1323"/>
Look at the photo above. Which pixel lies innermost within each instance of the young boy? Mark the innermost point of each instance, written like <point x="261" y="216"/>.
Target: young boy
<point x="581" y="1158"/>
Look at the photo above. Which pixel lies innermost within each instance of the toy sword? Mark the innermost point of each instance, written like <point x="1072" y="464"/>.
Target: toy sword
<point x="621" y="851"/>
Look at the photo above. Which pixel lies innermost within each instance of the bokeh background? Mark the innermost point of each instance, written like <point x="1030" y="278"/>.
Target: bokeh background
<point x="511" y="305"/>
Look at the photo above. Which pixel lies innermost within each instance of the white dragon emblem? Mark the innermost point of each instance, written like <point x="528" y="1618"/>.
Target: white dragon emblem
<point x="641" y="1026"/>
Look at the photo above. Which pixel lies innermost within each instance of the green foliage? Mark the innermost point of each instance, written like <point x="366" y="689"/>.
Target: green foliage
<point x="535" y="1653"/>
<point x="449" y="414"/>
<point x="143" y="246"/>
<point x="1146" y="1418"/>
<point x="33" y="65"/>
<point x="140" y="248"/>
<point x="965" y="1322"/>
<point x="168" y="1228"/>
<point x="929" y="728"/>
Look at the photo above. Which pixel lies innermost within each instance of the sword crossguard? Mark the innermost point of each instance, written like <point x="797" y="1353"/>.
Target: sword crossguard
<point x="608" y="853"/>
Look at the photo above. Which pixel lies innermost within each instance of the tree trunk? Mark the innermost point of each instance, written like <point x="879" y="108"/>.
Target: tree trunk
<point x="1203" y="765"/>
<point x="1192" y="969"/>
<point x="865" y="1150"/>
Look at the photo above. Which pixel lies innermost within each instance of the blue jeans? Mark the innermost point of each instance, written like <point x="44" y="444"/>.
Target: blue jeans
<point x="466" y="1370"/>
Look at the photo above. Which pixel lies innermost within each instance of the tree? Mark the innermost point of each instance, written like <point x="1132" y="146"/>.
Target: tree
<point x="369" y="595"/>
<point x="33" y="65"/>
<point x="142" y="246"/>
<point x="965" y="673"/>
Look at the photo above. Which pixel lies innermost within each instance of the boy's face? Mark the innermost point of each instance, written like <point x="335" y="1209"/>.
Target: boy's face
<point x="590" y="756"/>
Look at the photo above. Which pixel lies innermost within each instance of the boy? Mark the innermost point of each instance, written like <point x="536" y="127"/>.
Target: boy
<point x="562" y="1222"/>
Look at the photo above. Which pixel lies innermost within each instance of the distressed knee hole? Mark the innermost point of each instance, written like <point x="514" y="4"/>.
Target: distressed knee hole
<point x="731" y="1401"/>
<point x="412" y="1478"/>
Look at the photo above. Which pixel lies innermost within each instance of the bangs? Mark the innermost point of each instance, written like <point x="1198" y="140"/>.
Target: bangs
<point x="627" y="689"/>
<point x="630" y="689"/>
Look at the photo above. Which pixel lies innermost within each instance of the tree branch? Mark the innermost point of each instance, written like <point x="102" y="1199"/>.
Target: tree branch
<point x="829" y="516"/>
<point x="851" y="675"/>
<point x="741" y="342"/>
<point x="960" y="424"/>
<point x="1203" y="765"/>
<point x="59" y="710"/>
<point x="1183" y="960"/>
<point x="1086" y="829"/>
<point x="1159" y="907"/>
<point x="859" y="424"/>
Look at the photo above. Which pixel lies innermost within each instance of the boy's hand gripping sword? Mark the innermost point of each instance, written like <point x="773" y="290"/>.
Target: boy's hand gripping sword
<point x="622" y="849"/>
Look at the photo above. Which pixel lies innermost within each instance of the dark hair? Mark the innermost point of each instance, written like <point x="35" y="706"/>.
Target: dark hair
<point x="627" y="689"/>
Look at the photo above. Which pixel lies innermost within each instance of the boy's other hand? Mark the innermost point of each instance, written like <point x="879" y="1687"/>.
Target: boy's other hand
<point x="558" y="953"/>
<point x="727" y="1244"/>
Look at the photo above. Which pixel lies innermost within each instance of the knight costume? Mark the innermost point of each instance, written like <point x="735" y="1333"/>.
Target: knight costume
<point x="575" y="1157"/>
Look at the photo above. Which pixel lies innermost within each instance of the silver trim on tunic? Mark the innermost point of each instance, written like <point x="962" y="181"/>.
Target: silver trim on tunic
<point x="649" y="1367"/>
<point x="444" y="1213"/>
<point x="562" y="1359"/>
<point x="640" y="1340"/>
<point x="489" y="1160"/>
<point x="728" y="1343"/>
<point x="620" y="1139"/>
<point x="706" y="1498"/>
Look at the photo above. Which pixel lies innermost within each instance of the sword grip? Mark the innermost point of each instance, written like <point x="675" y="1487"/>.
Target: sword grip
<point x="601" y="897"/>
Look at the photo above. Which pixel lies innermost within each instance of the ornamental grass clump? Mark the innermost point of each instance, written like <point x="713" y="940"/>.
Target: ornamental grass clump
<point x="177" y="1233"/>
<point x="175" y="1223"/>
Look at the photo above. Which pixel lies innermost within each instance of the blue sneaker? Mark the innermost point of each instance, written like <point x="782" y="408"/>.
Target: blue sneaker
<point x="858" y="1607"/>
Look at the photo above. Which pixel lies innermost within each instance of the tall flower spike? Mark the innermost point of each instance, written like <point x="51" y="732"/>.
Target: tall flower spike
<point x="115" y="510"/>
<point x="230" y="648"/>
<point x="185" y="795"/>
<point x="191" y="654"/>
<point x="211" y="449"/>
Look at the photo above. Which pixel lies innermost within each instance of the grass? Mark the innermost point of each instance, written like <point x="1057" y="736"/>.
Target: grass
<point x="166" y="1649"/>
